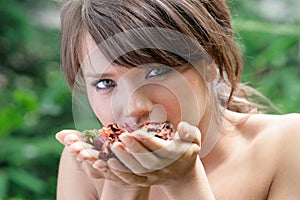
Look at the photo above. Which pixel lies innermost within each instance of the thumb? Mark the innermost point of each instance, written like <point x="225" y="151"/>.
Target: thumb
<point x="67" y="137"/>
<point x="189" y="133"/>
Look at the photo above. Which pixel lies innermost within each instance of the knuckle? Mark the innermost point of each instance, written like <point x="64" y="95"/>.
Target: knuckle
<point x="71" y="137"/>
<point x="73" y="149"/>
<point x="77" y="148"/>
<point x="84" y="154"/>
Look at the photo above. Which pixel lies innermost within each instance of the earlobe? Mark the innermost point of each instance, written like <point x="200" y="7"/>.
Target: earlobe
<point x="211" y="72"/>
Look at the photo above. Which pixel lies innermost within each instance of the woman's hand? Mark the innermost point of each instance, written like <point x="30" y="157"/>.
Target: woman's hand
<point x="174" y="165"/>
<point x="144" y="161"/>
<point x="85" y="158"/>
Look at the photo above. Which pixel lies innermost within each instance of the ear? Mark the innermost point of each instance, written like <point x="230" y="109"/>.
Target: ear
<point x="211" y="72"/>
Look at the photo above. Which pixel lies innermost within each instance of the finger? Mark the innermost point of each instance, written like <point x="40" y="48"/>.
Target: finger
<point x="62" y="135"/>
<point x="78" y="146"/>
<point x="149" y="141"/>
<point x="161" y="148"/>
<point x="78" y="164"/>
<point x="173" y="151"/>
<point x="146" y="158"/>
<point x="71" y="138"/>
<point x="88" y="155"/>
<point x="100" y="164"/>
<point x="116" y="165"/>
<point x="131" y="179"/>
<point x="106" y="171"/>
<point x="91" y="171"/>
<point x="127" y="158"/>
<point x="118" y="169"/>
<point x="189" y="133"/>
<point x="165" y="153"/>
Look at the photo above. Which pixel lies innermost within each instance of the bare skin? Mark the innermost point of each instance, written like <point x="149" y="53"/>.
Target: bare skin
<point x="259" y="161"/>
<point x="255" y="160"/>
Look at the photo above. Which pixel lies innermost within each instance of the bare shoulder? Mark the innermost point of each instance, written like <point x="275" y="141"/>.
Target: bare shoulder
<point x="290" y="121"/>
<point x="277" y="132"/>
<point x="289" y="125"/>
<point x="279" y="137"/>
<point x="72" y="183"/>
<point x="267" y="129"/>
<point x="283" y="127"/>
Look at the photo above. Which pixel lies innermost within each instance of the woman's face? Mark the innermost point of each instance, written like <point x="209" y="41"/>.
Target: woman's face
<point x="148" y="93"/>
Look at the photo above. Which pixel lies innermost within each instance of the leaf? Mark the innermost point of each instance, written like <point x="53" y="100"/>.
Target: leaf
<point x="3" y="183"/>
<point x="26" y="180"/>
<point x="267" y="27"/>
<point x="10" y="119"/>
<point x="26" y="99"/>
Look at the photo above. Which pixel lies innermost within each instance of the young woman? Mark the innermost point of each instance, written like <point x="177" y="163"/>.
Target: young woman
<point x="170" y="60"/>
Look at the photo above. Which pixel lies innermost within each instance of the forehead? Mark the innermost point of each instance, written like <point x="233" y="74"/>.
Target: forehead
<point x="91" y="56"/>
<point x="87" y="45"/>
<point x="94" y="60"/>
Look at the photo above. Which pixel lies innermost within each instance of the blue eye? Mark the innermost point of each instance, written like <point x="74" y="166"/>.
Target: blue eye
<point x="158" y="72"/>
<point x="104" y="84"/>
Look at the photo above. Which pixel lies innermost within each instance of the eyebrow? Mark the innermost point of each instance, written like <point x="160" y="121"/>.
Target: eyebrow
<point x="97" y="75"/>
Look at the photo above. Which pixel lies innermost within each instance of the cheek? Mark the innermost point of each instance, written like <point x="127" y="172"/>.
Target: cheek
<point x="188" y="102"/>
<point x="182" y="103"/>
<point x="101" y="106"/>
<point x="169" y="101"/>
<point x="195" y="100"/>
<point x="202" y="95"/>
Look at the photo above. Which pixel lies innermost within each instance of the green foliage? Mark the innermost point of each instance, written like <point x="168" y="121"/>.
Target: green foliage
<point x="35" y="101"/>
<point x="272" y="51"/>
<point x="272" y="61"/>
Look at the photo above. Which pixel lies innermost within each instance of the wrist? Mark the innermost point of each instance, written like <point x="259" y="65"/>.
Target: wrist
<point x="194" y="186"/>
<point x="114" y="190"/>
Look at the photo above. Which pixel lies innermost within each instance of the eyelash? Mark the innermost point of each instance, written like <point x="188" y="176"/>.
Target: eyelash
<point x="109" y="83"/>
<point x="161" y="72"/>
<point x="112" y="84"/>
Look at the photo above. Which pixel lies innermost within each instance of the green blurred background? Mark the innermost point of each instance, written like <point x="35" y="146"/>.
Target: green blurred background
<point x="35" y="101"/>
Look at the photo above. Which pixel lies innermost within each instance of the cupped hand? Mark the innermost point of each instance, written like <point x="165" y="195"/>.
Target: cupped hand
<point x="85" y="158"/>
<point x="146" y="160"/>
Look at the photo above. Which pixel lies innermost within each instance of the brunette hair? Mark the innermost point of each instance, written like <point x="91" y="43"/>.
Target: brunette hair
<point x="208" y="22"/>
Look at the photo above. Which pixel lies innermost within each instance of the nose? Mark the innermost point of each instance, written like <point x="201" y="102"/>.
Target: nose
<point x="139" y="107"/>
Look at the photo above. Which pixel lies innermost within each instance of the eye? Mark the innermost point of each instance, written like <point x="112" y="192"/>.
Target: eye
<point x="158" y="72"/>
<point x="104" y="84"/>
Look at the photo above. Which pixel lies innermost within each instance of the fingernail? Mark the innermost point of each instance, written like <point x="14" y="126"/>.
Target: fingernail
<point x="58" y="137"/>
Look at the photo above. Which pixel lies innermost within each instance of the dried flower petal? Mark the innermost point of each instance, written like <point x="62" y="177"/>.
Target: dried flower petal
<point x="103" y="139"/>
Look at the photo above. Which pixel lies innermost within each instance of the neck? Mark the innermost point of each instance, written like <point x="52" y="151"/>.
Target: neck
<point x="225" y="141"/>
